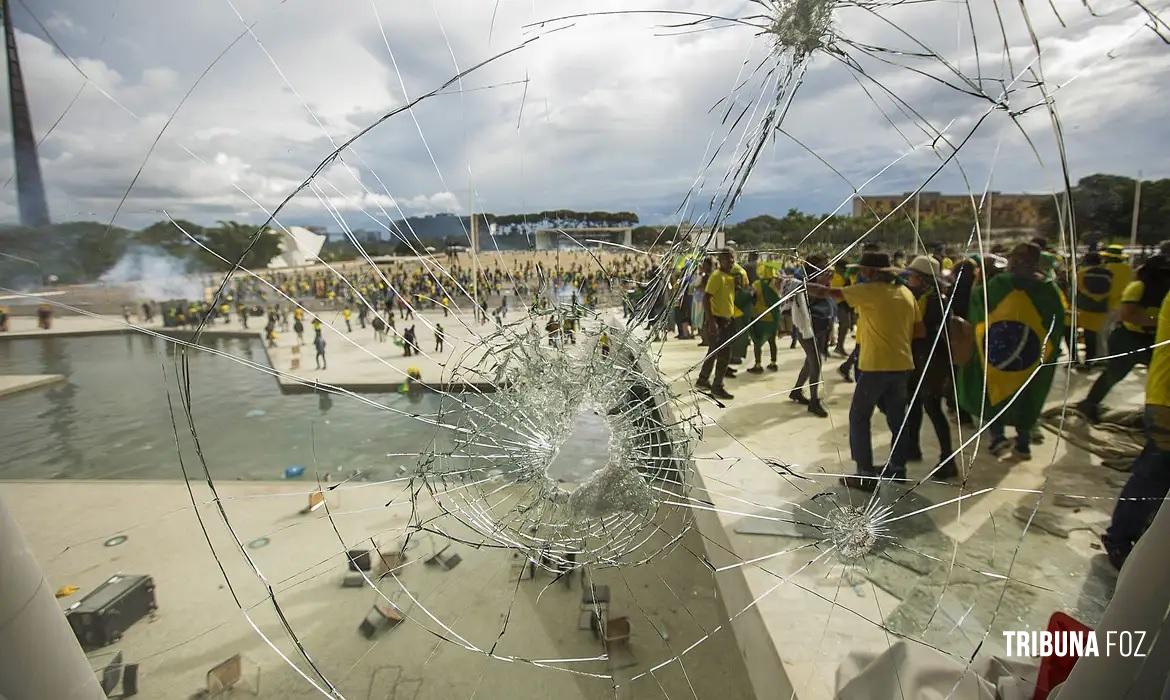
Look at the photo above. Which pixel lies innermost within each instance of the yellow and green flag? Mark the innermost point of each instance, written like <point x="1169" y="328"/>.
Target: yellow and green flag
<point x="1017" y="337"/>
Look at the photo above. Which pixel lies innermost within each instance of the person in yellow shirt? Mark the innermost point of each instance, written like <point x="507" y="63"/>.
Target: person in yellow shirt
<point x="346" y="314"/>
<point x="741" y="308"/>
<point x="889" y="318"/>
<point x="1094" y="282"/>
<point x="1129" y="343"/>
<point x="719" y="310"/>
<point x="1149" y="479"/>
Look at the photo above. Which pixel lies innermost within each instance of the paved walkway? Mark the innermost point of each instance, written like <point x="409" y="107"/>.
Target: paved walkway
<point x="479" y="603"/>
<point x="815" y="613"/>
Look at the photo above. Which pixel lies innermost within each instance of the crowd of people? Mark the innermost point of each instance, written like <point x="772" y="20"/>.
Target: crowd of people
<point x="979" y="337"/>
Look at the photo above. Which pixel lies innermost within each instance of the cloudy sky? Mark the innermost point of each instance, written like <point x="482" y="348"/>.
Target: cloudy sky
<point x="616" y="112"/>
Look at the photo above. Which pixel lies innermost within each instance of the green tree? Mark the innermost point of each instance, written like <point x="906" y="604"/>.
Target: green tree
<point x="239" y="243"/>
<point x="168" y="235"/>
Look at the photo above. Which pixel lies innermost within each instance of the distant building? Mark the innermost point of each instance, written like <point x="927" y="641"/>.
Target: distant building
<point x="570" y="238"/>
<point x="1007" y="211"/>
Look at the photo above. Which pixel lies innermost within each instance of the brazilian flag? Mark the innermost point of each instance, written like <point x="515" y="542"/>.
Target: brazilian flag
<point x="744" y="301"/>
<point x="1094" y="287"/>
<point x="1021" y="327"/>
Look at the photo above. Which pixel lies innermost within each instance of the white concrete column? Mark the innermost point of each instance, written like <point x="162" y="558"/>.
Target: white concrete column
<point x="39" y="654"/>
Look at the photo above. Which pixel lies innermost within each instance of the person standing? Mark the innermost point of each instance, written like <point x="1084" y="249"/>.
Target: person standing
<point x="1149" y="479"/>
<point x="346" y="314"/>
<point x="930" y="381"/>
<point x="319" y="346"/>
<point x="765" y="317"/>
<point x="1017" y="338"/>
<point x="1094" y="282"/>
<point x="1129" y="343"/>
<point x="699" y="318"/>
<point x="844" y="314"/>
<point x="299" y="329"/>
<point x="888" y="318"/>
<point x="741" y="310"/>
<point x="439" y="337"/>
<point x="718" y="311"/>
<point x="408" y="344"/>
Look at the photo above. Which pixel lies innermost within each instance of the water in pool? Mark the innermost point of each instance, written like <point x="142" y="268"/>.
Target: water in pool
<point x="110" y="419"/>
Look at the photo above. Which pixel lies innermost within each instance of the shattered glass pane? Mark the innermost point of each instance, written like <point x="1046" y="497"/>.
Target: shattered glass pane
<point x="501" y="474"/>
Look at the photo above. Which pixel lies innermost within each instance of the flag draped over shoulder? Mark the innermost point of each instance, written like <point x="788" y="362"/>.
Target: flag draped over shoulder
<point x="1094" y="288"/>
<point x="1019" y="330"/>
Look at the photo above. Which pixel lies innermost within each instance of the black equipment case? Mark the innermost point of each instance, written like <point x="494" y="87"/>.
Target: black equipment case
<point x="101" y="617"/>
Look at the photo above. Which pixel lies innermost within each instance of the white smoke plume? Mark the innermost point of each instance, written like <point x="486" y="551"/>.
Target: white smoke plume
<point x="155" y="274"/>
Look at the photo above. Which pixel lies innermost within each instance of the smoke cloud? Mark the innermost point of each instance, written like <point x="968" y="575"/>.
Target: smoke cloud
<point x="155" y="274"/>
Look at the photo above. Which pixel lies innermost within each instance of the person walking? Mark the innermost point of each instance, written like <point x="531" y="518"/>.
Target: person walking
<point x="888" y="318"/>
<point x="1017" y="337"/>
<point x="439" y="337"/>
<point x="299" y="329"/>
<point x="844" y="313"/>
<point x="718" y="308"/>
<point x="1149" y="480"/>
<point x="346" y="314"/>
<point x="1130" y="342"/>
<point x="931" y="379"/>
<point x="807" y="326"/>
<point x="319" y="346"/>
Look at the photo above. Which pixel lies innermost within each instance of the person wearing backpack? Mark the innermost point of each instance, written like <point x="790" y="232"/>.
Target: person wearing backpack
<point x="931" y="379"/>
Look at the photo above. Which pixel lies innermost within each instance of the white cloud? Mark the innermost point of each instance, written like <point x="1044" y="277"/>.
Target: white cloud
<point x="59" y="22"/>
<point x="613" y="116"/>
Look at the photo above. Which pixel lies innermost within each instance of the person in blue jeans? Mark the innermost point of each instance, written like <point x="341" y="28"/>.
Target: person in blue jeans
<point x="889" y="320"/>
<point x="1149" y="479"/>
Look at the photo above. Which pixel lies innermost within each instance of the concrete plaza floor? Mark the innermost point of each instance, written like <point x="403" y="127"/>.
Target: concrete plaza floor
<point x="958" y="568"/>
<point x="952" y="576"/>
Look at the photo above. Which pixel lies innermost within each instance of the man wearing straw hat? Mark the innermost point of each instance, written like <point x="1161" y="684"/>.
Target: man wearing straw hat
<point x="888" y="318"/>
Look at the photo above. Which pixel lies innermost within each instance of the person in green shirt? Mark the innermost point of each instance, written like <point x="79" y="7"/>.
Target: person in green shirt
<point x="719" y="309"/>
